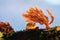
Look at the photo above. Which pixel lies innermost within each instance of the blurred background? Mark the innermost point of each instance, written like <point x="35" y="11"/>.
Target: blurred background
<point x="11" y="11"/>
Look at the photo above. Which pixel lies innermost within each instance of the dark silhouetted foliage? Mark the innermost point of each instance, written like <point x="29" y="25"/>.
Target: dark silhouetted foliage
<point x="37" y="34"/>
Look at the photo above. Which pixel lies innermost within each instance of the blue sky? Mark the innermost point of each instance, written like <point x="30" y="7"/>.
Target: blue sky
<point x="11" y="11"/>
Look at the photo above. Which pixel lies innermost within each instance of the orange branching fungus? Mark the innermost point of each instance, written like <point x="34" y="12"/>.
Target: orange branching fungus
<point x="36" y="15"/>
<point x="5" y="26"/>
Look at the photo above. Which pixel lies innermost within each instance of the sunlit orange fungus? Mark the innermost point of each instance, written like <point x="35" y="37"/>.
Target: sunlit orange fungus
<point x="36" y="15"/>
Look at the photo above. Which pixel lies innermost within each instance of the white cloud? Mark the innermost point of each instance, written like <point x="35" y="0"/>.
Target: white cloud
<point x="54" y="2"/>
